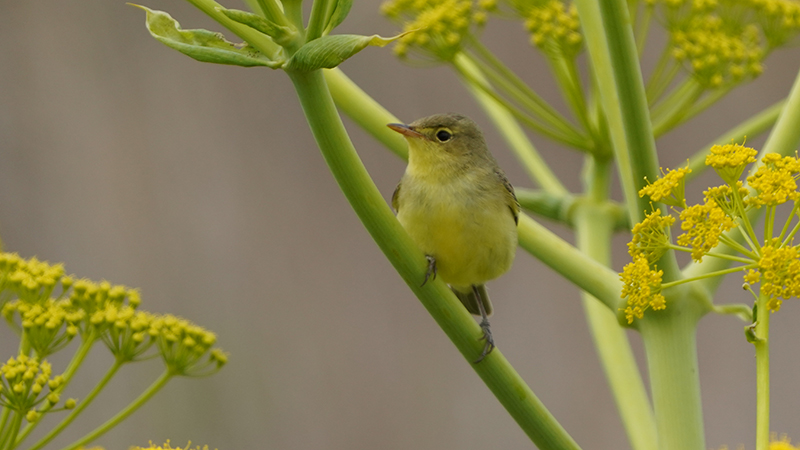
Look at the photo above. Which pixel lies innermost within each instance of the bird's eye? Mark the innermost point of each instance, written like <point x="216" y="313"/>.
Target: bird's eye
<point x="443" y="135"/>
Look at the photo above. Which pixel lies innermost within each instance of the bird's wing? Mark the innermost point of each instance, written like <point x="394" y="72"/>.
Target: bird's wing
<point x="395" y="204"/>
<point x="511" y="199"/>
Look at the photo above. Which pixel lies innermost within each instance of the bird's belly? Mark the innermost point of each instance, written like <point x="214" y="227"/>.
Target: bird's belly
<point x="472" y="243"/>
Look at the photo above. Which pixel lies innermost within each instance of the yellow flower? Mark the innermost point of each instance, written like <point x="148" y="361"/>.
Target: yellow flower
<point x="642" y="287"/>
<point x="669" y="189"/>
<point x="702" y="225"/>
<point x="553" y="26"/>
<point x="650" y="238"/>
<point x="775" y="181"/>
<point x="780" y="273"/>
<point x="784" y="444"/>
<point x="730" y="160"/>
<point x="727" y="199"/>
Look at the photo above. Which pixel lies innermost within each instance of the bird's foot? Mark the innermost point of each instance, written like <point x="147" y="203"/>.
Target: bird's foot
<point x="487" y="336"/>
<point x="431" y="272"/>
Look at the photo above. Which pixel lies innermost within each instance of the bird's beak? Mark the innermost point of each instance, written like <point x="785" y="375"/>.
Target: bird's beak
<point x="406" y="131"/>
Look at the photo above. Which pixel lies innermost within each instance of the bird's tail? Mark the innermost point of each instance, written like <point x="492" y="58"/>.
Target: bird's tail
<point x="470" y="301"/>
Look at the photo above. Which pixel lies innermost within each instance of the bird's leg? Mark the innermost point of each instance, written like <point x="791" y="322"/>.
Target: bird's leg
<point x="487" y="332"/>
<point x="431" y="272"/>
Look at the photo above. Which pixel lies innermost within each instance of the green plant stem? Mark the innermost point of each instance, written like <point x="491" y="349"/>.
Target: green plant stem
<point x="669" y="340"/>
<point x="320" y="12"/>
<point x="260" y="41"/>
<point x="612" y="51"/>
<point x="365" y="111"/>
<point x="566" y="75"/>
<point x="346" y="167"/>
<point x="570" y="137"/>
<point x="670" y="112"/>
<point x="515" y="137"/>
<point x="643" y="28"/>
<point x="10" y="436"/>
<point x="762" y="374"/>
<point x="127" y="411"/>
<point x="514" y="85"/>
<point x="79" y="407"/>
<point x="753" y="126"/>
<point x="69" y="372"/>
<point x="595" y="226"/>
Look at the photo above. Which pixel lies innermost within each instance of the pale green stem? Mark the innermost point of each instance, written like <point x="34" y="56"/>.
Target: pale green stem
<point x="643" y="27"/>
<point x="11" y="437"/>
<point x="318" y="18"/>
<point x="72" y="368"/>
<point x="615" y="63"/>
<point x="718" y="273"/>
<point x="365" y="111"/>
<point x="668" y="114"/>
<point x="79" y="407"/>
<point x="441" y="303"/>
<point x="702" y="105"/>
<point x="273" y="12"/>
<point x="594" y="230"/>
<point x="669" y="340"/>
<point x="751" y="127"/>
<point x="661" y="78"/>
<point x="294" y="12"/>
<point x="537" y="104"/>
<point x="762" y="374"/>
<point x="260" y="41"/>
<point x="513" y="134"/>
<point x="122" y="415"/>
<point x="744" y="312"/>
<point x="787" y="223"/>
<point x="572" y="139"/>
<point x="735" y="245"/>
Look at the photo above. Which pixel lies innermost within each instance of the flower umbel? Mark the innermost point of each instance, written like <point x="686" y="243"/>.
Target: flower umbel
<point x="642" y="287"/>
<point x="730" y="160"/>
<point x="669" y="189"/>
<point x="650" y="238"/>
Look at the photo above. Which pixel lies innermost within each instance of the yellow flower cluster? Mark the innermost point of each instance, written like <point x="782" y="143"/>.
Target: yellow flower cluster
<point x="775" y="181"/>
<point x="730" y="160"/>
<point x="780" y="273"/>
<point x="49" y="326"/>
<point x="780" y="19"/>
<point x="22" y="382"/>
<point x="438" y="27"/>
<point x="32" y="280"/>
<point x="554" y="26"/>
<point x="184" y="346"/>
<point x="702" y="225"/>
<point x="726" y="200"/>
<point x="718" y="54"/>
<point x="642" y="287"/>
<point x="650" y="238"/>
<point x="669" y="189"/>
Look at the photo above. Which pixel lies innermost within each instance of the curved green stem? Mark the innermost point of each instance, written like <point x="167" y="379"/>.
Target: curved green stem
<point x="10" y="437"/>
<point x="72" y="368"/>
<point x="441" y="303"/>
<point x="594" y="230"/>
<point x="122" y="415"/>
<point x="79" y="407"/>
<point x="762" y="374"/>
<point x="515" y="137"/>
<point x="672" y="111"/>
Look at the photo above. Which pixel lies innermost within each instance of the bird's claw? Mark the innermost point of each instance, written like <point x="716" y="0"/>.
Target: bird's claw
<point x="487" y="336"/>
<point x="431" y="269"/>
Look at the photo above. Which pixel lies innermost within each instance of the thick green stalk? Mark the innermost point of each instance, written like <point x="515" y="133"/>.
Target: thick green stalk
<point x="452" y="317"/>
<point x="515" y="137"/>
<point x="671" y="347"/>
<point x="615" y="63"/>
<point x="762" y="374"/>
<point x="370" y="115"/>
<point x="595" y="226"/>
<point x="10" y="435"/>
<point x="122" y="415"/>
<point x="79" y="407"/>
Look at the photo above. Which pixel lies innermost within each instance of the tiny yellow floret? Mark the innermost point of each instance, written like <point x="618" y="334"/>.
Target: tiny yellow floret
<point x="642" y="288"/>
<point x="669" y="189"/>
<point x="730" y="160"/>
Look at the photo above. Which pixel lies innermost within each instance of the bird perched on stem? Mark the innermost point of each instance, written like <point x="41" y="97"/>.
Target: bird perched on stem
<point x="459" y="208"/>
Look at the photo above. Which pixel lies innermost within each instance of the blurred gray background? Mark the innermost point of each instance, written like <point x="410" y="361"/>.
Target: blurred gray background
<point x="201" y="185"/>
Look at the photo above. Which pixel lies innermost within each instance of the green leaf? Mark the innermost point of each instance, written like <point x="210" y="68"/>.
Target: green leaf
<point x="339" y="14"/>
<point x="280" y="34"/>
<point x="203" y="45"/>
<point x="328" y="52"/>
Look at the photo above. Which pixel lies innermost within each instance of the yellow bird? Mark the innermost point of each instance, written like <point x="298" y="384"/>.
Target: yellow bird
<point x="459" y="208"/>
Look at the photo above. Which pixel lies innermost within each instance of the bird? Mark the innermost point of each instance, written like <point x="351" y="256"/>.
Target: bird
<point x="459" y="208"/>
